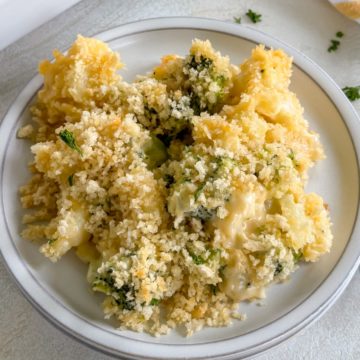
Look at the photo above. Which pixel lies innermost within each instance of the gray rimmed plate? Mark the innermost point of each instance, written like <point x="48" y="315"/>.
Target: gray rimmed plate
<point x="60" y="292"/>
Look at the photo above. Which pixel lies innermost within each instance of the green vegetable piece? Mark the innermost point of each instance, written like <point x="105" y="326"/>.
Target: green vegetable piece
<point x="222" y="270"/>
<point x="352" y="92"/>
<point x="68" y="138"/>
<point x="297" y="256"/>
<point x="291" y="155"/>
<point x="169" y="180"/>
<point x="156" y="153"/>
<point x="214" y="252"/>
<point x="201" y="64"/>
<point x="214" y="289"/>
<point x="253" y="16"/>
<point x="334" y="45"/>
<point x="199" y="190"/>
<point x="198" y="259"/>
<point x="102" y="286"/>
<point x="237" y="20"/>
<point x="195" y="104"/>
<point x="279" y="268"/>
<point x="71" y="180"/>
<point x="51" y="241"/>
<point x="154" y="302"/>
<point x="121" y="297"/>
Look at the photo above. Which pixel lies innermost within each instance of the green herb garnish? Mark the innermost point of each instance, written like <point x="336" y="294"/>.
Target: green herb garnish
<point x="154" y="302"/>
<point x="68" y="138"/>
<point x="121" y="297"/>
<point x="253" y="16"/>
<point x="214" y="288"/>
<point x="237" y="20"/>
<point x="169" y="180"/>
<point x="71" y="180"/>
<point x="199" y="190"/>
<point x="200" y="64"/>
<point x="291" y="155"/>
<point x="51" y="241"/>
<point x="297" y="256"/>
<point x="339" y="34"/>
<point x="279" y="268"/>
<point x="352" y="92"/>
<point x="334" y="45"/>
<point x="198" y="259"/>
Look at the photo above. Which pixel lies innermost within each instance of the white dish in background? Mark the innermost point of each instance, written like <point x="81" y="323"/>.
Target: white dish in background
<point x="60" y="292"/>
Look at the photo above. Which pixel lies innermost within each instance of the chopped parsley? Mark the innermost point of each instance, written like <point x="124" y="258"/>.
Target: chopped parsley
<point x="51" y="241"/>
<point x="352" y="92"/>
<point x="71" y="180"/>
<point x="334" y="45"/>
<point x="195" y="103"/>
<point x="339" y="34"/>
<point x="199" y="190"/>
<point x="154" y="302"/>
<point x="291" y="155"/>
<point x="205" y="257"/>
<point x="253" y="16"/>
<point x="214" y="289"/>
<point x="68" y="138"/>
<point x="200" y="64"/>
<point x="297" y="256"/>
<point x="279" y="268"/>
<point x="237" y="20"/>
<point x="169" y="180"/>
<point x="121" y="297"/>
<point x="198" y="259"/>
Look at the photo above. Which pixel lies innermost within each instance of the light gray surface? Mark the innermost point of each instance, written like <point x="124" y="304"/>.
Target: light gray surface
<point x="307" y="25"/>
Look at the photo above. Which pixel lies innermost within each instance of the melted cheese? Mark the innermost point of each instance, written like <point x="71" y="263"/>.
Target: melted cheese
<point x="246" y="212"/>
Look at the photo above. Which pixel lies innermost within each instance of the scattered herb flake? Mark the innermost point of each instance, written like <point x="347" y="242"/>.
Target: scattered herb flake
<point x="68" y="138"/>
<point x="154" y="302"/>
<point x="121" y="297"/>
<point x="297" y="256"/>
<point x="291" y="155"/>
<point x="198" y="259"/>
<point x="71" y="180"/>
<point x="352" y="92"/>
<point x="253" y="16"/>
<point x="214" y="289"/>
<point x="279" y="268"/>
<point x="237" y="20"/>
<point x="334" y="45"/>
<point x="199" y="190"/>
<point x="169" y="180"/>
<point x="221" y="270"/>
<point x="339" y="34"/>
<point x="51" y="241"/>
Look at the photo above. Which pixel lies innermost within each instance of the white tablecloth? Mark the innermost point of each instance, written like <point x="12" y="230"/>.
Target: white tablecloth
<point x="307" y="25"/>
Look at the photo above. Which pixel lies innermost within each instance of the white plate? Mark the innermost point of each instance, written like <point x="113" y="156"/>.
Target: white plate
<point x="60" y="291"/>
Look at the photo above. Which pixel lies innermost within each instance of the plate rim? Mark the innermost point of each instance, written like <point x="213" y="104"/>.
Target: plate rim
<point x="247" y="33"/>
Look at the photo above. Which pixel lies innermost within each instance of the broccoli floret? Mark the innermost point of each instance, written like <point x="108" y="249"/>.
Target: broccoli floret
<point x="155" y="152"/>
<point x="206" y="84"/>
<point x="123" y="296"/>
